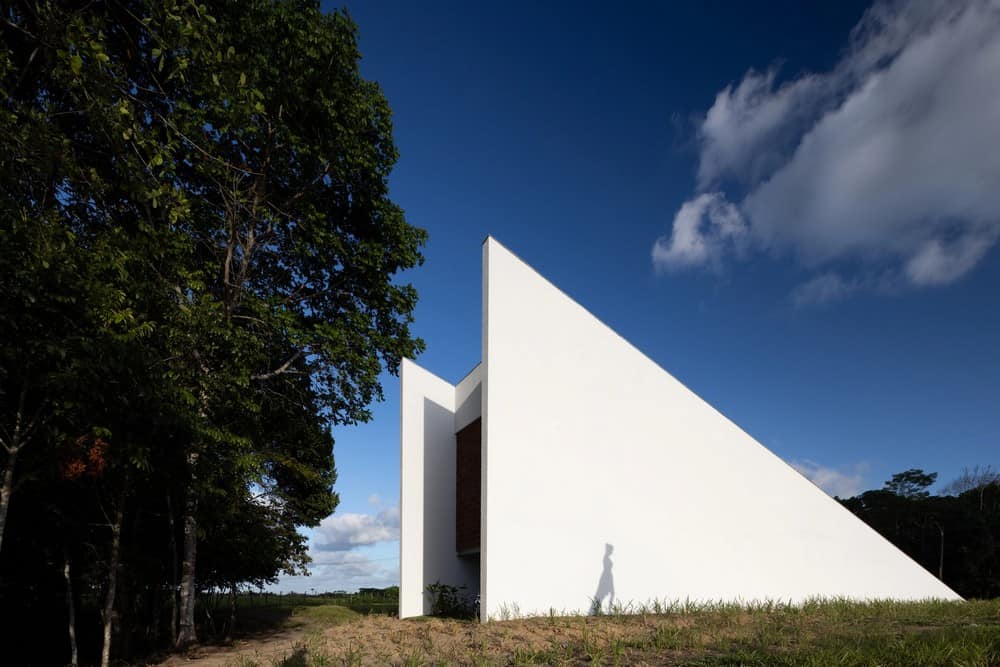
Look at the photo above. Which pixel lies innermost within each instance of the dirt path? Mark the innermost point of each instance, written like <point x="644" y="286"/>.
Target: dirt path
<point x="264" y="649"/>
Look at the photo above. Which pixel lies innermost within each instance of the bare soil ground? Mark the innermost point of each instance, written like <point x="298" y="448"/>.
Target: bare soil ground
<point x="265" y="649"/>
<point x="821" y="634"/>
<point x="382" y="640"/>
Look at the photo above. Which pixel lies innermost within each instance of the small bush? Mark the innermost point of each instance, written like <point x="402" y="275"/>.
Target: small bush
<point x="450" y="601"/>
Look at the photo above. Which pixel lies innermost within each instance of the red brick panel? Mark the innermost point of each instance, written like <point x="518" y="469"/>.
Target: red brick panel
<point x="467" y="486"/>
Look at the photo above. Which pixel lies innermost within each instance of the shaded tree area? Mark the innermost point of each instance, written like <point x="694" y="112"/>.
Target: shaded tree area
<point x="955" y="535"/>
<point x="199" y="269"/>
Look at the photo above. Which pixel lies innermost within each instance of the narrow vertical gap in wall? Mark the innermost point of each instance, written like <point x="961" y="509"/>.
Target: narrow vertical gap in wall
<point x="468" y="481"/>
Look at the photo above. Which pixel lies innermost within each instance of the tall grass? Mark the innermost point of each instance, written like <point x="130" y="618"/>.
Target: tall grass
<point x="681" y="632"/>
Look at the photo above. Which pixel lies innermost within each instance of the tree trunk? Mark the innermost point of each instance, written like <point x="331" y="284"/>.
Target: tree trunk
<point x="941" y="555"/>
<point x="13" y="444"/>
<point x="109" y="598"/>
<point x="8" y="487"/>
<point x="186" y="633"/>
<point x="232" y="614"/>
<point x="70" y="608"/>
<point x="153" y="629"/>
<point x="173" y="573"/>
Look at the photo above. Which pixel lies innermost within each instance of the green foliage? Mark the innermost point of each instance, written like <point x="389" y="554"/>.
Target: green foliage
<point x="449" y="601"/>
<point x="199" y="279"/>
<point x="956" y="534"/>
<point x="911" y="483"/>
<point x="381" y="602"/>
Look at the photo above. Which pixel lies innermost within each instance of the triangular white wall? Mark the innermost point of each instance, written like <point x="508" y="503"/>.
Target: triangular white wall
<point x="587" y="442"/>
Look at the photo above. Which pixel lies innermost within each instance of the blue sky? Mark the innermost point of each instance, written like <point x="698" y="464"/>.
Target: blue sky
<point x="792" y="207"/>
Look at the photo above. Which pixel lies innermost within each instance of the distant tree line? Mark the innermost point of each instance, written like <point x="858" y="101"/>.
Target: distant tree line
<point x="955" y="535"/>
<point x="198" y="278"/>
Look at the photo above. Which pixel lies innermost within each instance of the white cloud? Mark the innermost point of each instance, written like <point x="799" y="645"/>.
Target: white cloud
<point x="937" y="261"/>
<point x="348" y="531"/>
<point x="823" y="288"/>
<point x="750" y="127"/>
<point x="888" y="162"/>
<point x="343" y="571"/>
<point x="351" y="551"/>
<point x="350" y="564"/>
<point x="703" y="229"/>
<point x="835" y="482"/>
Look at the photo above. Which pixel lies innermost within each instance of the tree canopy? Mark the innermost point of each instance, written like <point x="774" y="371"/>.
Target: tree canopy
<point x="199" y="280"/>
<point x="912" y="483"/>
<point x="955" y="535"/>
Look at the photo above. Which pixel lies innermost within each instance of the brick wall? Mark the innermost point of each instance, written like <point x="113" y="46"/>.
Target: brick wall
<point x="467" y="487"/>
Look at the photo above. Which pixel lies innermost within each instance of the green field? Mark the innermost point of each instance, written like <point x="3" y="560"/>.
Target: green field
<point x="816" y="633"/>
<point x="381" y="602"/>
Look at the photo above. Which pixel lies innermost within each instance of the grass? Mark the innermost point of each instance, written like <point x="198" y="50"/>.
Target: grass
<point x="374" y="603"/>
<point x="831" y="632"/>
<point x="327" y="614"/>
<point x="284" y="612"/>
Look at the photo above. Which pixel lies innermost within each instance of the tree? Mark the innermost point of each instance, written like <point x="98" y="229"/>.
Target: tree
<point x="911" y="483"/>
<point x="956" y="537"/>
<point x="974" y="479"/>
<point x="221" y="175"/>
<point x="285" y="157"/>
<point x="37" y="328"/>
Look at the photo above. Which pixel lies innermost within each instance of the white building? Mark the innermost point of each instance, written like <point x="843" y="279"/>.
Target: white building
<point x="567" y="467"/>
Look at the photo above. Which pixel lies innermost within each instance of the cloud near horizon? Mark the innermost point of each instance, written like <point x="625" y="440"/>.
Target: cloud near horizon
<point x="349" y="531"/>
<point x="887" y="163"/>
<point x="343" y="571"/>
<point x="834" y="481"/>
<point x="351" y="551"/>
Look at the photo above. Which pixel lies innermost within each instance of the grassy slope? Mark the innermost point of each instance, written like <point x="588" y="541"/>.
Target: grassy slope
<point x="821" y="633"/>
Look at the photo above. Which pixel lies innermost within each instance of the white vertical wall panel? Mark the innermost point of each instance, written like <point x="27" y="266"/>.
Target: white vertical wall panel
<point x="589" y="443"/>
<point x="427" y="490"/>
<point x="484" y="387"/>
<point x="468" y="398"/>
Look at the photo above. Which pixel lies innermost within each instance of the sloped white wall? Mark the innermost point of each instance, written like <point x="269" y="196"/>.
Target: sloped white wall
<point x="588" y="442"/>
<point x="427" y="486"/>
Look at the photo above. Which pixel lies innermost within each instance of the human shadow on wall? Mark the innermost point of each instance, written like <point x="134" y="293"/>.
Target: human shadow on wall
<point x="605" y="585"/>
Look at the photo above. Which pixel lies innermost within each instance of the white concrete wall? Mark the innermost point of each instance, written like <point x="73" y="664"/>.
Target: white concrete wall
<point x="588" y="442"/>
<point x="468" y="398"/>
<point x="427" y="488"/>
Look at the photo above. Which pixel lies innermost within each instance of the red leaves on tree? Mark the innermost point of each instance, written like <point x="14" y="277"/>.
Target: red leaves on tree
<point x="85" y="455"/>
